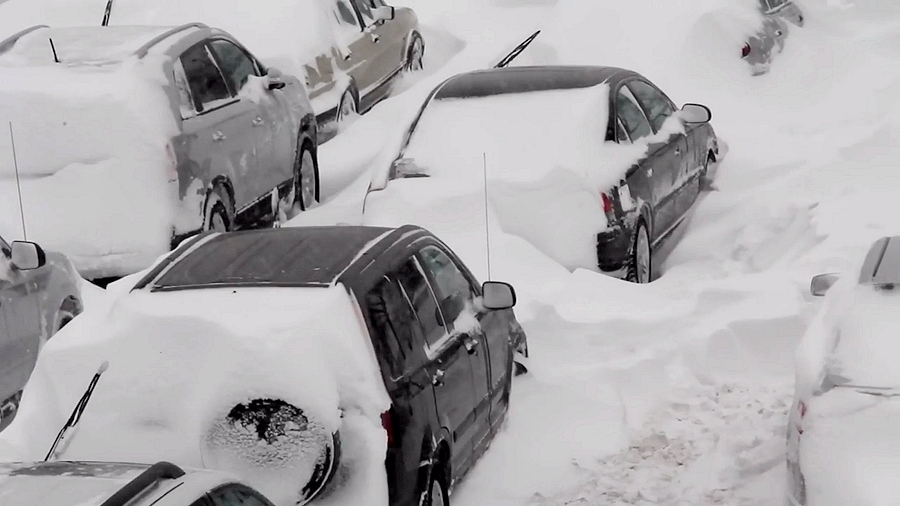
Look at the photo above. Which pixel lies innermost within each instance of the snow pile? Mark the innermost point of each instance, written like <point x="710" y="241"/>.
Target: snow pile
<point x="91" y="152"/>
<point x="181" y="362"/>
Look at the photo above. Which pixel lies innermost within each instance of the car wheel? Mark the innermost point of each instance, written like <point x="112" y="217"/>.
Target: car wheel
<point x="347" y="107"/>
<point x="63" y="317"/>
<point x="639" y="266"/>
<point x="436" y="495"/>
<point x="8" y="409"/>
<point x="306" y="178"/>
<point x="218" y="216"/>
<point x="415" y="54"/>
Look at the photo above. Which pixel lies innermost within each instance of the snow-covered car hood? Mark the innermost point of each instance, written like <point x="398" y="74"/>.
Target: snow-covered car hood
<point x="180" y="361"/>
<point x="849" y="452"/>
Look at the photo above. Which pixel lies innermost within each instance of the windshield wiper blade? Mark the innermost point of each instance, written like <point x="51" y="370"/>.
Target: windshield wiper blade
<point x="75" y="417"/>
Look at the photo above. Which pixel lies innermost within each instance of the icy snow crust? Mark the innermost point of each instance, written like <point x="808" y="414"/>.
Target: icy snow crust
<point x="180" y="361"/>
<point x="90" y="142"/>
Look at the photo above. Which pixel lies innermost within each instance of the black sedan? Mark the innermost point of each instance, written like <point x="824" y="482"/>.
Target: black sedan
<point x="655" y="189"/>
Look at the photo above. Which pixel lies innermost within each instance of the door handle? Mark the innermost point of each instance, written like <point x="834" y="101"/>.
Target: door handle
<point x="375" y="37"/>
<point x="650" y="171"/>
<point x="438" y="378"/>
<point x="678" y="151"/>
<point x="218" y="136"/>
<point x="258" y="121"/>
<point x="471" y="344"/>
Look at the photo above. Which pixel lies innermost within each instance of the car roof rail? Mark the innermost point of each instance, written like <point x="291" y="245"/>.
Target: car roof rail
<point x="153" y="474"/>
<point x="10" y="41"/>
<point x="143" y="50"/>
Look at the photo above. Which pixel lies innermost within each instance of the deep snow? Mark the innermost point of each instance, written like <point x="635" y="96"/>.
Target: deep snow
<point x="674" y="392"/>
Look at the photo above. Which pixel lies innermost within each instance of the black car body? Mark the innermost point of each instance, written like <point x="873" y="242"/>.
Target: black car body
<point x="448" y="380"/>
<point x="655" y="193"/>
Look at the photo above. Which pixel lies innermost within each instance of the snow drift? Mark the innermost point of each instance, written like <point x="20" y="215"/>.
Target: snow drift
<point x="182" y="366"/>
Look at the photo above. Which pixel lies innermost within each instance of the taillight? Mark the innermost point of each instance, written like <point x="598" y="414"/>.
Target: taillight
<point x="745" y="51"/>
<point x="388" y="424"/>
<point x="172" y="166"/>
<point x="608" y="206"/>
<point x="801" y="409"/>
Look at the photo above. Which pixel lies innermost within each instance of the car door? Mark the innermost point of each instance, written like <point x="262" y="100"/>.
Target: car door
<point x="447" y="365"/>
<point x="660" y="162"/>
<point x="385" y="41"/>
<point x="20" y="328"/>
<point x="272" y="125"/>
<point x="659" y="109"/>
<point x="359" y="45"/>
<point x="457" y="296"/>
<point x="217" y="127"/>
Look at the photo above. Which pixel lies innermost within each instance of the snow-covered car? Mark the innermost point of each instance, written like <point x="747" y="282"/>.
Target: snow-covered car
<point x="128" y="139"/>
<point x="348" y="51"/>
<point x="39" y="295"/>
<point x="594" y="166"/>
<point x="842" y="428"/>
<point x="290" y="356"/>
<point x="62" y="483"/>
<point x="761" y="47"/>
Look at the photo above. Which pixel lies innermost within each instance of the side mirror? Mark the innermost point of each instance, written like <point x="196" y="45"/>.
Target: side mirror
<point x="405" y="167"/>
<point x="26" y="256"/>
<point x="275" y="78"/>
<point x="696" y="114"/>
<point x="384" y="13"/>
<point x="820" y="284"/>
<point x="498" y="295"/>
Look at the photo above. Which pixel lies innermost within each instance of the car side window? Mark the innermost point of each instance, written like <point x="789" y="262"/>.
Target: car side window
<point x="237" y="495"/>
<point x="235" y="64"/>
<point x="393" y="320"/>
<point x="422" y="298"/>
<point x="621" y="133"/>
<point x="365" y="9"/>
<point x="185" y="101"/>
<point x="345" y="14"/>
<point x="203" y="501"/>
<point x="655" y="104"/>
<point x="630" y="114"/>
<point x="455" y="292"/>
<point x="206" y="83"/>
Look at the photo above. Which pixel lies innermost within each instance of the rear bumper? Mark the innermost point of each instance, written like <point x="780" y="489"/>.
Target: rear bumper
<point x="614" y="249"/>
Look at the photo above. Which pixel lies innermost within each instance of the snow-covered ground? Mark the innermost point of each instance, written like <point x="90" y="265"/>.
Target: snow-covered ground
<point x="674" y="392"/>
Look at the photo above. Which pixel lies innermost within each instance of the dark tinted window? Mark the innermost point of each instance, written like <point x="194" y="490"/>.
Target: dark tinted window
<point x="393" y="320"/>
<point x="655" y="104"/>
<point x="345" y="13"/>
<point x="419" y="292"/>
<point x="454" y="290"/>
<point x="630" y="114"/>
<point x="206" y="82"/>
<point x="237" y="495"/>
<point x="234" y="62"/>
<point x="365" y="8"/>
<point x="203" y="501"/>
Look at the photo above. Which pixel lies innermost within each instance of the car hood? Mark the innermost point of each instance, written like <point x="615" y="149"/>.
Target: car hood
<point x="849" y="448"/>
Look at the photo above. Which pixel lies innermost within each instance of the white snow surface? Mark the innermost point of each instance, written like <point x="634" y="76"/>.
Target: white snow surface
<point x="675" y="392"/>
<point x="178" y="363"/>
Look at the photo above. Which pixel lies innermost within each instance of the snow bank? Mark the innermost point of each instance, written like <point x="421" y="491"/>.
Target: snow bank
<point x="91" y="151"/>
<point x="180" y="362"/>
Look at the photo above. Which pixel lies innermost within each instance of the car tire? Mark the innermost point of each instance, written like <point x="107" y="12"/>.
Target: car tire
<point x="348" y="107"/>
<point x="415" y="54"/>
<point x="218" y="215"/>
<point x="306" y="177"/>
<point x="639" y="268"/>
<point x="436" y="495"/>
<point x="63" y="317"/>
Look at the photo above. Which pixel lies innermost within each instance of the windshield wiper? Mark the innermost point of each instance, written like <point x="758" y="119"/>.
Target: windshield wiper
<point x="76" y="414"/>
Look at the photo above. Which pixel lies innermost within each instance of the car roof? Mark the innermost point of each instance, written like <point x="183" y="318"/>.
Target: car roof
<point x="481" y="83"/>
<point x="882" y="264"/>
<point x="291" y="256"/>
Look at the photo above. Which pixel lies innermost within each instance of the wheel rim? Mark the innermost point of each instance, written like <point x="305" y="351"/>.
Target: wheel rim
<point x="416" y="53"/>
<point x="347" y="107"/>
<point x="437" y="493"/>
<point x="307" y="181"/>
<point x="642" y="256"/>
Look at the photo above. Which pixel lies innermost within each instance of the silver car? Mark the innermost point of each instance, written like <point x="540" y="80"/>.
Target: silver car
<point x="768" y="41"/>
<point x="245" y="151"/>
<point x="38" y="295"/>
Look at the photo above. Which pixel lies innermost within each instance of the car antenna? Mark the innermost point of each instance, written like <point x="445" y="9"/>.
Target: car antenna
<point x="487" y="225"/>
<point x="75" y="417"/>
<point x="12" y="140"/>
<point x="53" y="48"/>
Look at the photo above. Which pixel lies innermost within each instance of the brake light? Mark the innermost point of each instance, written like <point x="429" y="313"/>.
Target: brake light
<point x="388" y="424"/>
<point x="607" y="203"/>
<point x="172" y="165"/>
<point x="745" y="51"/>
<point x="801" y="409"/>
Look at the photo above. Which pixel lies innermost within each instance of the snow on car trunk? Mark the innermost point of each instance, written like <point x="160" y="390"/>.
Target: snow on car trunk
<point x="183" y="364"/>
<point x="539" y="157"/>
<point x="92" y="158"/>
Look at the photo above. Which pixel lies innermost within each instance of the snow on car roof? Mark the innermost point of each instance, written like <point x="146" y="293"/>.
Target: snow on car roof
<point x="83" y="44"/>
<point x="63" y="483"/>
<point x="525" y="79"/>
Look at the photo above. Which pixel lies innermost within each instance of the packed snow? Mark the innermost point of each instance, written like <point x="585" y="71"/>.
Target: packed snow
<point x="675" y="392"/>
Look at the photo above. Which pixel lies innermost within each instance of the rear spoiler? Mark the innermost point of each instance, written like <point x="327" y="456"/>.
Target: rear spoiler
<point x="516" y="51"/>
